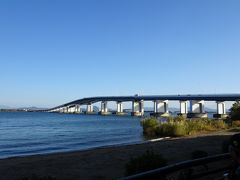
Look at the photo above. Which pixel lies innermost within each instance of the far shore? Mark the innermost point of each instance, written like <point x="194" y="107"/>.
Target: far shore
<point x="107" y="162"/>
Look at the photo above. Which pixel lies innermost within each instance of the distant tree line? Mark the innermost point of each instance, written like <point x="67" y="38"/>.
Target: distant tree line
<point x="11" y="110"/>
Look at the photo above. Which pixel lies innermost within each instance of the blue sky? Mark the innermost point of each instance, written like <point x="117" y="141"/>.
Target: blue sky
<point x="55" y="51"/>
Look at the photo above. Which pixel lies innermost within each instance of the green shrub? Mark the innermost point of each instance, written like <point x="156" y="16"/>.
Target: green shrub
<point x="179" y="130"/>
<point x="170" y="119"/>
<point x="165" y="129"/>
<point x="150" y="132"/>
<point x="147" y="161"/>
<point x="149" y="126"/>
<point x="194" y="126"/>
<point x="179" y="119"/>
<point x="219" y="124"/>
<point x="199" y="125"/>
<point x="150" y="122"/>
<point x="180" y="126"/>
<point x="171" y="129"/>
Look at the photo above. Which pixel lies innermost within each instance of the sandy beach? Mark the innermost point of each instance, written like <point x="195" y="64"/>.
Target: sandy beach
<point x="106" y="163"/>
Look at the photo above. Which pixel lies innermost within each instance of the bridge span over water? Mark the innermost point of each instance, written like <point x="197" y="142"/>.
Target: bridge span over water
<point x="160" y="104"/>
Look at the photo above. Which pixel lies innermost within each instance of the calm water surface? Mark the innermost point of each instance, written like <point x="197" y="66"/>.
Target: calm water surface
<point x="39" y="133"/>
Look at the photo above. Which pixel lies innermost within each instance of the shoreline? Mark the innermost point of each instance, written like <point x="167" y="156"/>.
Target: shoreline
<point x="107" y="162"/>
<point x="110" y="146"/>
<point x="89" y="149"/>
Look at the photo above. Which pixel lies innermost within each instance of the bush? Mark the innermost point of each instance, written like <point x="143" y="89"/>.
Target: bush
<point x="200" y="125"/>
<point x="179" y="119"/>
<point x="147" y="161"/>
<point x="165" y="129"/>
<point x="171" y="129"/>
<point x="179" y="130"/>
<point x="179" y="126"/>
<point x="219" y="124"/>
<point x="149" y="127"/>
<point x="197" y="125"/>
<point x="235" y="124"/>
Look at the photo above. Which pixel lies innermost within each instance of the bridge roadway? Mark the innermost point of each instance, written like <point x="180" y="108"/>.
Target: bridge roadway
<point x="160" y="104"/>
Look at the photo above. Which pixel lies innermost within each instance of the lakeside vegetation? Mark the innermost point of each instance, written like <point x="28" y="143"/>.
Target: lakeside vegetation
<point x="180" y="126"/>
<point x="177" y="127"/>
<point x="12" y="110"/>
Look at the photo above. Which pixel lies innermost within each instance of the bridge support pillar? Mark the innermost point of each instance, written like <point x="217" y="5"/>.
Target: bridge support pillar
<point x="120" y="109"/>
<point x="65" y="109"/>
<point x="54" y="110"/>
<point x="77" y="109"/>
<point x="183" y="108"/>
<point x="71" y="109"/>
<point x="160" y="108"/>
<point x="137" y="108"/>
<point x="197" y="109"/>
<point x="104" y="108"/>
<point x="62" y="110"/>
<point x="221" y="110"/>
<point x="89" y="109"/>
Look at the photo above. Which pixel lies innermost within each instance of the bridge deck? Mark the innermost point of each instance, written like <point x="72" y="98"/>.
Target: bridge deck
<point x="206" y="97"/>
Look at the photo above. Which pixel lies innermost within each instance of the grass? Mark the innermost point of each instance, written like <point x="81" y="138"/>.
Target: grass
<point x="179" y="126"/>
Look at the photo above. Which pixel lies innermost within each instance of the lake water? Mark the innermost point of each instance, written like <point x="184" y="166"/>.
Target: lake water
<point x="40" y="133"/>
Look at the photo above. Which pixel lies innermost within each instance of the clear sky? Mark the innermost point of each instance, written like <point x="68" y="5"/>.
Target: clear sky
<point x="55" y="51"/>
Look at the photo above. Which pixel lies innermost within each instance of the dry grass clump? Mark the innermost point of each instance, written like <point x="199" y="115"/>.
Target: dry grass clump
<point x="179" y="126"/>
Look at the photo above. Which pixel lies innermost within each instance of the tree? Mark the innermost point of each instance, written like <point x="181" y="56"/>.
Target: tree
<point x="235" y="111"/>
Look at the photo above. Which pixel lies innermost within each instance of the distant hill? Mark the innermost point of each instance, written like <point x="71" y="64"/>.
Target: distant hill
<point x="5" y="107"/>
<point x="31" y="108"/>
<point x="210" y="109"/>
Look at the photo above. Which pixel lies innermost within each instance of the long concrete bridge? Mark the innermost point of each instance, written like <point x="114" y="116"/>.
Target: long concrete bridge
<point x="160" y="104"/>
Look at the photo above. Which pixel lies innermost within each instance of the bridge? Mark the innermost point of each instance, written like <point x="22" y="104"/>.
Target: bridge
<point x="160" y="104"/>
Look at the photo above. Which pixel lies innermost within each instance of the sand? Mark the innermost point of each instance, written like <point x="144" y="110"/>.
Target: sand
<point x="106" y="163"/>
